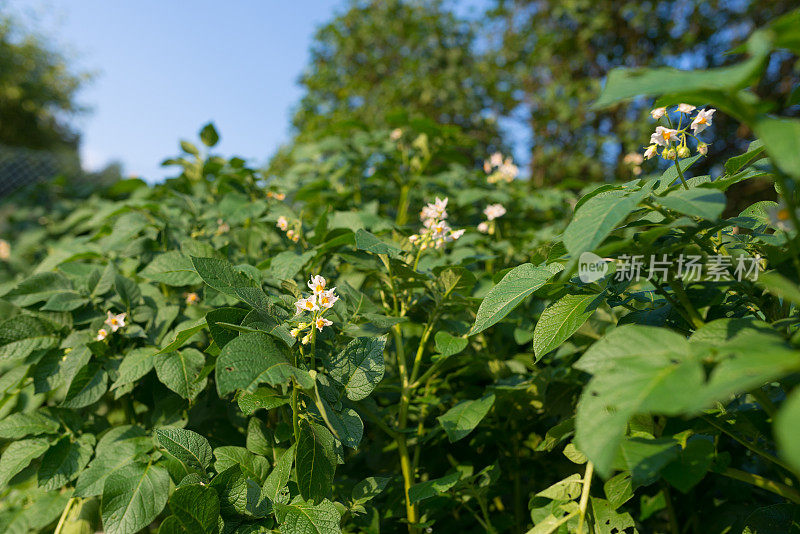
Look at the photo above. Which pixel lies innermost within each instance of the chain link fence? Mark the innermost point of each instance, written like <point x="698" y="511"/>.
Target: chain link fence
<point x="20" y="167"/>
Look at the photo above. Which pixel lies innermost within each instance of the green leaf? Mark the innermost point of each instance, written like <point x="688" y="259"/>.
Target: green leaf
<point x="462" y="418"/>
<point x="252" y="359"/>
<point x="625" y="84"/>
<point x="66" y="301"/>
<point x="185" y="445"/>
<point x="691" y="466"/>
<point x="781" y="138"/>
<point x="18" y="455"/>
<point x="92" y="479"/>
<point x="359" y="368"/>
<point x="279" y="476"/>
<point x="197" y="508"/>
<point x="372" y="243"/>
<point x="564" y="490"/>
<point x="127" y="290"/>
<point x="301" y="517"/>
<point x="189" y="148"/>
<point x="184" y="333"/>
<point x="448" y="344"/>
<point x="64" y="461"/>
<point x="261" y="398"/>
<point x="221" y="275"/>
<point x="515" y="287"/>
<point x="285" y="265"/>
<point x="695" y="202"/>
<point x="137" y="363"/>
<point x="637" y="369"/>
<point x="88" y="386"/>
<point x="774" y="519"/>
<point x="560" y="320"/>
<point x="597" y="217"/>
<point x="786" y="424"/>
<point x="171" y="268"/>
<point x="181" y="371"/>
<point x="253" y="466"/>
<point x="133" y="497"/>
<point x="369" y="488"/>
<point x="222" y="335"/>
<point x="780" y="286"/>
<point x="645" y="458"/>
<point x="432" y="488"/>
<point x="316" y="461"/>
<point x="209" y="135"/>
<point x="19" y="425"/>
<point x="21" y="335"/>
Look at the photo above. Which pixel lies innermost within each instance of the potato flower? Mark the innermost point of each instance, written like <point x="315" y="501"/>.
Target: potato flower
<point x="494" y="211"/>
<point x="319" y="302"/>
<point x="101" y="334"/>
<point x="702" y="120"/>
<point x="115" y="321"/>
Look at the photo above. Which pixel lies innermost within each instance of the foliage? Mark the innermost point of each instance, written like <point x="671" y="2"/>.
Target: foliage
<point x="37" y="91"/>
<point x="234" y="352"/>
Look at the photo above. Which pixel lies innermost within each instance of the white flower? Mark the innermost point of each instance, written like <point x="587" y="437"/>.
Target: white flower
<point x="483" y="227"/>
<point x="435" y="210"/>
<point x="496" y="159"/>
<point x="294" y="236"/>
<point x="327" y="299"/>
<point x="317" y="284"/>
<point x="309" y="304"/>
<point x="455" y="234"/>
<point x="663" y="136"/>
<point x="101" y="334"/>
<point x="651" y="151"/>
<point x="781" y="218"/>
<point x="115" y="321"/>
<point x="686" y="108"/>
<point x="282" y="223"/>
<point x="294" y="332"/>
<point x="508" y="170"/>
<point x="321" y="323"/>
<point x="396" y="134"/>
<point x="191" y="298"/>
<point x="702" y="120"/>
<point x="658" y="113"/>
<point x="494" y="211"/>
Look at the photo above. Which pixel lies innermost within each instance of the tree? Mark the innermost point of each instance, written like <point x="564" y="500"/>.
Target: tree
<point x="381" y="56"/>
<point x="554" y="55"/>
<point x="37" y="91"/>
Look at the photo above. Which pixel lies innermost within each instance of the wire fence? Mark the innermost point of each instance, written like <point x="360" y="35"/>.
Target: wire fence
<point x="21" y="167"/>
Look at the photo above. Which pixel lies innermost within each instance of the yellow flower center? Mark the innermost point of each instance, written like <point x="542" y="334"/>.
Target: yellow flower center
<point x="783" y="215"/>
<point x="701" y="120"/>
<point x="114" y="321"/>
<point x="667" y="135"/>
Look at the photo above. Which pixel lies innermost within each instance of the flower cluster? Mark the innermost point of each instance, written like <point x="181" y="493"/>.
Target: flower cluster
<point x="320" y="301"/>
<point x="291" y="233"/>
<point x="664" y="138"/>
<point x="276" y="196"/>
<point x="492" y="212"/>
<point x="115" y="322"/>
<point x="435" y="231"/>
<point x="500" y="169"/>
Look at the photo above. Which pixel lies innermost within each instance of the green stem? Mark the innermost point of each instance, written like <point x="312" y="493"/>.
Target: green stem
<point x="584" y="502"/>
<point x="777" y="488"/>
<point x="402" y="205"/>
<point x="63" y="519"/>
<point x="680" y="174"/>
<point x="295" y="409"/>
<point x="683" y="298"/>
<point x="751" y="447"/>
<point x="673" y="518"/>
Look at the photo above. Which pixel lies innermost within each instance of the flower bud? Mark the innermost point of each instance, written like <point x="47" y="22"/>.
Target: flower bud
<point x="670" y="153"/>
<point x="684" y="152"/>
<point x="702" y="148"/>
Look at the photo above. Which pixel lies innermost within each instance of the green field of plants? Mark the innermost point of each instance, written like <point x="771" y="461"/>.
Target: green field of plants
<point x="387" y="337"/>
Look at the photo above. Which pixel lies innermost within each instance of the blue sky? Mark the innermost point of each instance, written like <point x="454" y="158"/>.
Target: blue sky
<point x="164" y="68"/>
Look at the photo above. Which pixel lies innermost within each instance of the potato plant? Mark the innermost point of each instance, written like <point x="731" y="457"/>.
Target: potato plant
<point x="237" y="352"/>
